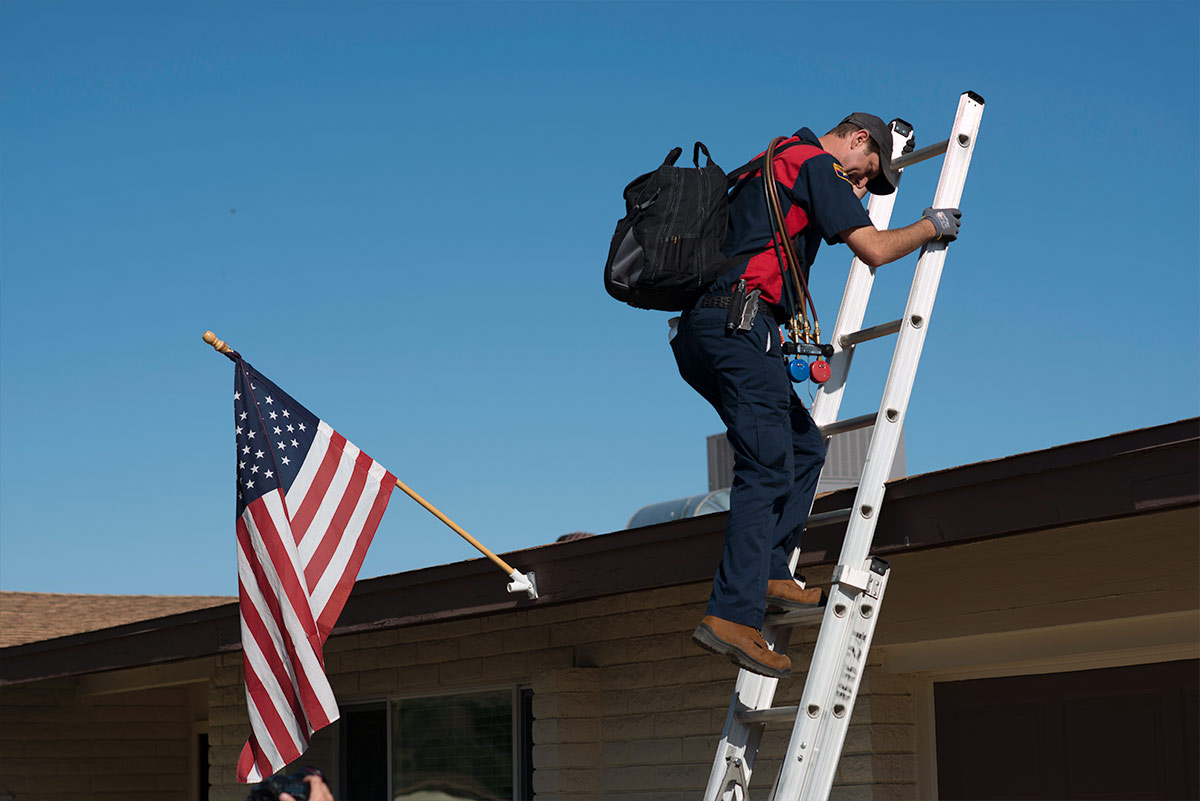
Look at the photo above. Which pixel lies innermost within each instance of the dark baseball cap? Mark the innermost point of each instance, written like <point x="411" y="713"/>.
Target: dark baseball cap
<point x="885" y="183"/>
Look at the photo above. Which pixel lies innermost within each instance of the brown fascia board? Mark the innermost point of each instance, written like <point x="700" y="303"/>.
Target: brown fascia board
<point x="147" y="642"/>
<point x="1136" y="472"/>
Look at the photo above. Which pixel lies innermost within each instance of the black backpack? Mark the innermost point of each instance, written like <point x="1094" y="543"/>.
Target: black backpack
<point x="667" y="247"/>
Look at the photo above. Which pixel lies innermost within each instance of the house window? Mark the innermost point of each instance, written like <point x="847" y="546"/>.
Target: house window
<point x="470" y="746"/>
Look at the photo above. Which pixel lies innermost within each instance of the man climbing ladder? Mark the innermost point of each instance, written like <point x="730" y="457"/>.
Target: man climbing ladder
<point x="728" y="348"/>
<point x="821" y="719"/>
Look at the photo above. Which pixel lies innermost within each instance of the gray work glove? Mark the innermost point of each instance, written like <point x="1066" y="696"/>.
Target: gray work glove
<point x="946" y="221"/>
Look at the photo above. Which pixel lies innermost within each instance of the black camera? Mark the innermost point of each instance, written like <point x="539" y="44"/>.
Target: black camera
<point x="294" y="785"/>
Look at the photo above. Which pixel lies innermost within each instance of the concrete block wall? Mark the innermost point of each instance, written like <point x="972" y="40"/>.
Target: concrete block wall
<point x="626" y="707"/>
<point x="130" y="746"/>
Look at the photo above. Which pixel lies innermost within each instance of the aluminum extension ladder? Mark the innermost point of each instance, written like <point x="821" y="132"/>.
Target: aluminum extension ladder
<point x="856" y="592"/>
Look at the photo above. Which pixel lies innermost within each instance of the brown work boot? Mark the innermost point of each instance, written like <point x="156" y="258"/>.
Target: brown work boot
<point x="786" y="595"/>
<point x="743" y="645"/>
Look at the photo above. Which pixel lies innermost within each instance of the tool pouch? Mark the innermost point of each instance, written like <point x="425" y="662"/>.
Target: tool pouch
<point x="743" y="307"/>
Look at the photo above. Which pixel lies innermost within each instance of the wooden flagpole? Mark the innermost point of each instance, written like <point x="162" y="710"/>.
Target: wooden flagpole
<point x="520" y="582"/>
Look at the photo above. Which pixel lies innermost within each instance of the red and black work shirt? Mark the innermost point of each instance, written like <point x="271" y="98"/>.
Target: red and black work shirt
<point x="818" y="202"/>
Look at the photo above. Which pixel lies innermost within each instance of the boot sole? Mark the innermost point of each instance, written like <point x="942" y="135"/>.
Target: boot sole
<point x="786" y="605"/>
<point x="707" y="639"/>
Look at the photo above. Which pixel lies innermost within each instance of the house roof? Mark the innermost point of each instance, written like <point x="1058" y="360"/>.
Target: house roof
<point x="1132" y="473"/>
<point x="35" y="616"/>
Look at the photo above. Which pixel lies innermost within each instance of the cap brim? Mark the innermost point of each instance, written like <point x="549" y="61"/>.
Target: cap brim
<point x="884" y="183"/>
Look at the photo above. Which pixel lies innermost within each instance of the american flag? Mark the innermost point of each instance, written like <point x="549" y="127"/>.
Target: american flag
<point x="308" y="504"/>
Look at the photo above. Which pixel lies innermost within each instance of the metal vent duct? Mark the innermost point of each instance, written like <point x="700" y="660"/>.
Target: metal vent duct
<point x="696" y="505"/>
<point x="843" y="463"/>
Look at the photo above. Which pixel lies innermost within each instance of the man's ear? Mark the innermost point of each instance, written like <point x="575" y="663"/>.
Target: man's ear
<point x="859" y="138"/>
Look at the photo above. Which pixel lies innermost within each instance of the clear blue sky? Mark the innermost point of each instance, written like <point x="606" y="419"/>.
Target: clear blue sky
<point x="424" y="196"/>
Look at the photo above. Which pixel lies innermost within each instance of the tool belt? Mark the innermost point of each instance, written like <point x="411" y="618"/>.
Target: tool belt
<point x="723" y="301"/>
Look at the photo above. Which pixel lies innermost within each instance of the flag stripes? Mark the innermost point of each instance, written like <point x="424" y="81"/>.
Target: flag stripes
<point x="333" y="589"/>
<point x="288" y="694"/>
<point x="331" y="519"/>
<point x="313" y="482"/>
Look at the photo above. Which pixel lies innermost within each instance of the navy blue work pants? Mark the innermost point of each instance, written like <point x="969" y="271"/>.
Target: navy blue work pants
<point x="777" y="453"/>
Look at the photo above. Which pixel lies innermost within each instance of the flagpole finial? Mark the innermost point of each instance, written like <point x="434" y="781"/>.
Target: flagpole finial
<point x="219" y="345"/>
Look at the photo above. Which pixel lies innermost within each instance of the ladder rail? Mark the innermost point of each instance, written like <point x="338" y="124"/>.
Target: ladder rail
<point x="817" y="737"/>
<point x="815" y="747"/>
<point x="911" y="339"/>
<point x="739" y="740"/>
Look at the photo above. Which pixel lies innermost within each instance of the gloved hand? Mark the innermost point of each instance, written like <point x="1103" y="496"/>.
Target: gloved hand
<point x="946" y="221"/>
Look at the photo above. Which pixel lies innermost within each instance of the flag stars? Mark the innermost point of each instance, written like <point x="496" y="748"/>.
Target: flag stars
<point x="268" y="430"/>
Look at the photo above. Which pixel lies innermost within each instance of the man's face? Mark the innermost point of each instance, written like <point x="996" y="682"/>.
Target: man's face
<point x="858" y="159"/>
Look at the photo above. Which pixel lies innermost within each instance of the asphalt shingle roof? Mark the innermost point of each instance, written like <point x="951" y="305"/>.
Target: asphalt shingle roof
<point x="33" y="616"/>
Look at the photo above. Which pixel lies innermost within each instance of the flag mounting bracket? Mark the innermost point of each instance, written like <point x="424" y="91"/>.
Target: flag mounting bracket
<point x="519" y="583"/>
<point x="523" y="582"/>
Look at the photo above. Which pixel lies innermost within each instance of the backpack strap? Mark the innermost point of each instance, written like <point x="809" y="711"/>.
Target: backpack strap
<point x="754" y="164"/>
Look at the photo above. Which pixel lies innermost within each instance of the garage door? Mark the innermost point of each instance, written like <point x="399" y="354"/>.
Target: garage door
<point x="1118" y="733"/>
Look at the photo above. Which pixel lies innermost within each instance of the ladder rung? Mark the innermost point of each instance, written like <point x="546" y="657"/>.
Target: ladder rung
<point x="867" y="334"/>
<point x="849" y="424"/>
<point x="917" y="156"/>
<point x="828" y="518"/>
<point x="773" y="715"/>
<point x="799" y="617"/>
